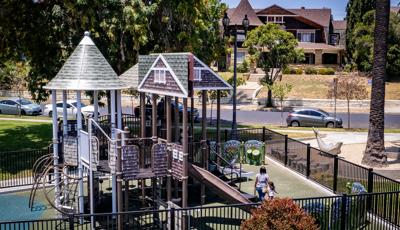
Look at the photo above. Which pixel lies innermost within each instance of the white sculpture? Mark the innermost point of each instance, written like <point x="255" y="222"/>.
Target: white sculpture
<point x="328" y="147"/>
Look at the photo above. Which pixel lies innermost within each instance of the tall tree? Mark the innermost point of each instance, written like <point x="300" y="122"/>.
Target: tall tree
<point x="274" y="49"/>
<point x="374" y="153"/>
<point x="355" y="11"/>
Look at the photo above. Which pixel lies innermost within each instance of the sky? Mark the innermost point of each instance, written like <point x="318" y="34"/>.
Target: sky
<point x="338" y="6"/>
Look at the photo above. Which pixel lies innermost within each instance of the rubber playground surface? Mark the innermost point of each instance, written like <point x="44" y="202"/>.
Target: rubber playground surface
<point x="14" y="205"/>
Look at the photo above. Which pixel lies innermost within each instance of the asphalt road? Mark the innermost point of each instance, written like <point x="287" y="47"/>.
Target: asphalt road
<point x="357" y="120"/>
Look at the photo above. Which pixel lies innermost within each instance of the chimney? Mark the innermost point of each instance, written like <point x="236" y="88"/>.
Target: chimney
<point x="303" y="8"/>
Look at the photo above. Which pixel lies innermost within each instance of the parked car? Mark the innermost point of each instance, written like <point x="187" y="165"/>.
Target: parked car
<point x="312" y="117"/>
<point x="13" y="106"/>
<point x="160" y="110"/>
<point x="87" y="110"/>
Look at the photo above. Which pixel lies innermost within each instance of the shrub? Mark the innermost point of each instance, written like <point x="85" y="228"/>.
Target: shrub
<point x="279" y="214"/>
<point x="311" y="70"/>
<point x="230" y="69"/>
<point x="326" y="71"/>
<point x="299" y="71"/>
<point x="286" y="70"/>
<point x="243" y="67"/>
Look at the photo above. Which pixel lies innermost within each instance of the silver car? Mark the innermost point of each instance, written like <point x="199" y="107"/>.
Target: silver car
<point x="13" y="106"/>
<point x="312" y="117"/>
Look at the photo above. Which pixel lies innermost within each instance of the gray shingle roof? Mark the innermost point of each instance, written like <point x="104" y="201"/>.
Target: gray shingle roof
<point x="86" y="69"/>
<point x="130" y="78"/>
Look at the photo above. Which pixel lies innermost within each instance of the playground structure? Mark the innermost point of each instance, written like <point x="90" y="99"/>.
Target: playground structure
<point x="87" y="152"/>
<point x="332" y="148"/>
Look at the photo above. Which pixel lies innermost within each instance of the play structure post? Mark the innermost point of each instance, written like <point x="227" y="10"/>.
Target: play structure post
<point x="176" y="119"/>
<point x="204" y="141"/>
<point x="185" y="161"/>
<point x="55" y="146"/>
<point x="91" y="196"/>
<point x="126" y="190"/>
<point x="114" y="177"/>
<point x="96" y="105"/>
<point x="218" y="125"/>
<point x="142" y="135"/>
<point x="154" y="117"/>
<point x="65" y="118"/>
<point x="119" y="110"/>
<point x="80" y="167"/>
<point x="119" y="179"/>
<point x="169" y="140"/>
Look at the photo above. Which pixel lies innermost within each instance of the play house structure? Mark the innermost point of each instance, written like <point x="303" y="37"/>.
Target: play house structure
<point x="118" y="163"/>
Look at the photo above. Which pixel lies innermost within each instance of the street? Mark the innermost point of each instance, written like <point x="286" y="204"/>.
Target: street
<point x="357" y="120"/>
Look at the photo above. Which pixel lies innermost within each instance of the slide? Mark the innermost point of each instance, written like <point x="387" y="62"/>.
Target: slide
<point x="221" y="188"/>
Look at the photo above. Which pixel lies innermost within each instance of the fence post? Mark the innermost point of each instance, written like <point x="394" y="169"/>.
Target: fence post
<point x="172" y="218"/>
<point x="308" y="161"/>
<point x="71" y="222"/>
<point x="370" y="188"/>
<point x="286" y="150"/>
<point x="263" y="134"/>
<point x="335" y="173"/>
<point x="226" y="135"/>
<point x="343" y="211"/>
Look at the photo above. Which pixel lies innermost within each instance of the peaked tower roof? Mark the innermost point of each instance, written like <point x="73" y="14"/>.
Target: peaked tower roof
<point x="241" y="10"/>
<point x="86" y="69"/>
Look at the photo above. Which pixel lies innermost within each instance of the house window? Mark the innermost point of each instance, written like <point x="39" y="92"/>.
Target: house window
<point x="279" y="19"/>
<point x="306" y="36"/>
<point x="275" y="19"/>
<point x="270" y="19"/>
<point x="197" y="74"/>
<point x="159" y="76"/>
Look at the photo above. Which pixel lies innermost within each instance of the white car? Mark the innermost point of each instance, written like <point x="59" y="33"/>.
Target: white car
<point x="87" y="110"/>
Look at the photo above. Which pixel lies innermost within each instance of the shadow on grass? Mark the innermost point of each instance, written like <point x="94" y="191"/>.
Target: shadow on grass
<point x="21" y="143"/>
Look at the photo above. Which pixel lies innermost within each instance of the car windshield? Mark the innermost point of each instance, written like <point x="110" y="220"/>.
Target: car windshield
<point x="24" y="102"/>
<point x="76" y="105"/>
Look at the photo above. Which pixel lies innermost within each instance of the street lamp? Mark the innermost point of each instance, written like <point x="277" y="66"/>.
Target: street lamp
<point x="234" y="31"/>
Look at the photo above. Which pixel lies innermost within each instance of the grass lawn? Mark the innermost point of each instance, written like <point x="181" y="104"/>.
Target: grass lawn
<point x="21" y="135"/>
<point x="317" y="86"/>
<point x="25" y="117"/>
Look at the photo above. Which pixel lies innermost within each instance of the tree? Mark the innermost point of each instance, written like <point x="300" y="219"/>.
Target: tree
<point x="374" y="153"/>
<point x="280" y="91"/>
<point x="348" y="88"/>
<point x="279" y="214"/>
<point x="274" y="49"/>
<point x="355" y="11"/>
<point x="363" y="37"/>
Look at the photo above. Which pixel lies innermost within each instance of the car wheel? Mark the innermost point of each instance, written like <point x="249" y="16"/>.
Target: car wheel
<point x="0" y="111"/>
<point x="23" y="113"/>
<point x="330" y="125"/>
<point x="50" y="113"/>
<point x="295" y="124"/>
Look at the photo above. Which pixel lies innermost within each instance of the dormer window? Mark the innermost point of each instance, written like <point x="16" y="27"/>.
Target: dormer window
<point x="159" y="76"/>
<point x="197" y="74"/>
<point x="275" y="19"/>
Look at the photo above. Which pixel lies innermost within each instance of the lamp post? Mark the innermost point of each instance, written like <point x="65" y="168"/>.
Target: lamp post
<point x="234" y="31"/>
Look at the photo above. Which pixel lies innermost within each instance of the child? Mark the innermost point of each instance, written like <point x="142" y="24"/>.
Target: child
<point x="271" y="190"/>
<point x="261" y="182"/>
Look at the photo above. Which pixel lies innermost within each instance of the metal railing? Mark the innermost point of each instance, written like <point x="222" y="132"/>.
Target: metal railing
<point x="370" y="211"/>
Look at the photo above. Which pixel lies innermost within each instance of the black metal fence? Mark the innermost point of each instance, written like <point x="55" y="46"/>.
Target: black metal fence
<point x="16" y="167"/>
<point x="363" y="211"/>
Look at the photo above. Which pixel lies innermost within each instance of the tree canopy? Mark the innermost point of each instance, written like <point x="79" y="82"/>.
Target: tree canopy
<point x="46" y="32"/>
<point x="274" y="49"/>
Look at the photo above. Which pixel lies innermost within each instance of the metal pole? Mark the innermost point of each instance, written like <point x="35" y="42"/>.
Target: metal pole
<point x="80" y="167"/>
<point x="55" y="147"/>
<point x="114" y="177"/>
<point x="185" y="160"/>
<point x="91" y="176"/>
<point x="96" y="105"/>
<point x="119" y="110"/>
<point x="169" y="140"/>
<point x="65" y="116"/>
<point x="234" y="125"/>
<point x="218" y="125"/>
<point x="125" y="142"/>
<point x="154" y="117"/>
<point x="119" y="180"/>
<point x="204" y="139"/>
<point x="141" y="183"/>
<point x="176" y="119"/>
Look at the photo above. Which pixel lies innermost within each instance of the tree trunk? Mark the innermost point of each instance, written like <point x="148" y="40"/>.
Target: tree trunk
<point x="269" y="99"/>
<point x="374" y="153"/>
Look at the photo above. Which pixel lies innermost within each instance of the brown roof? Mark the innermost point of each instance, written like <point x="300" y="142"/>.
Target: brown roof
<point x="318" y="46"/>
<point x="236" y="15"/>
<point x="320" y="16"/>
<point x="339" y="25"/>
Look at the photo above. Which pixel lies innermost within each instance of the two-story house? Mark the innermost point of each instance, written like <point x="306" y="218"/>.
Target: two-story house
<point x="321" y="38"/>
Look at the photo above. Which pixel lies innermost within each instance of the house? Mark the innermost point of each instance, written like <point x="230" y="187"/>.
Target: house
<point x="321" y="38"/>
